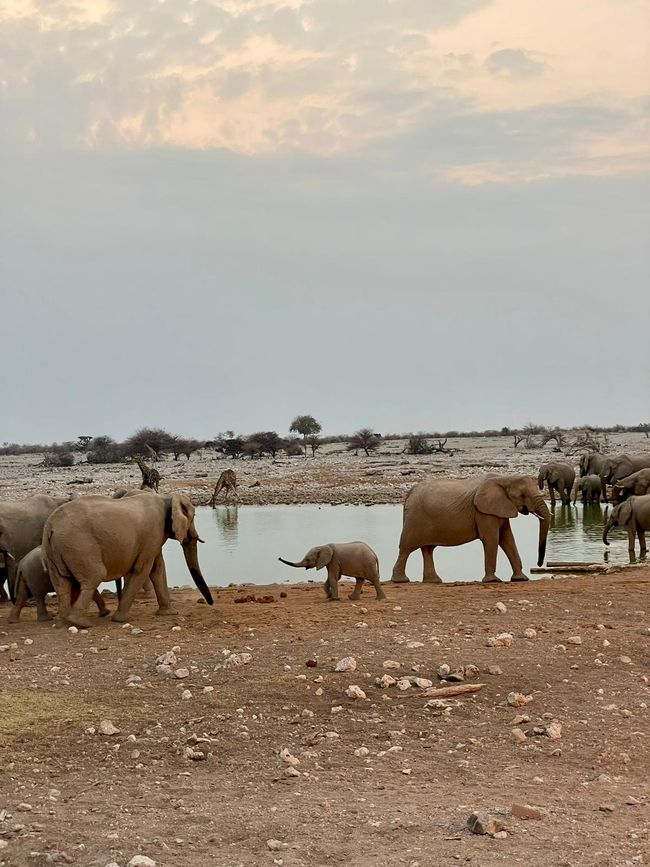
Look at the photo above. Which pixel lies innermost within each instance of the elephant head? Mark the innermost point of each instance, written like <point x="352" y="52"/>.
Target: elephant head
<point x="508" y="496"/>
<point x="621" y="514"/>
<point x="547" y="472"/>
<point x="315" y="558"/>
<point x="179" y="525"/>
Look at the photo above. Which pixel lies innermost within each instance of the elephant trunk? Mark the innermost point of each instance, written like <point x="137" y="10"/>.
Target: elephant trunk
<point x="542" y="512"/>
<point x="608" y="526"/>
<point x="540" y="480"/>
<point x="192" y="560"/>
<point x="300" y="565"/>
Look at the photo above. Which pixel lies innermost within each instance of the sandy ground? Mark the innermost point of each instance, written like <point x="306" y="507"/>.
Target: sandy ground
<point x="196" y="775"/>
<point x="333" y="476"/>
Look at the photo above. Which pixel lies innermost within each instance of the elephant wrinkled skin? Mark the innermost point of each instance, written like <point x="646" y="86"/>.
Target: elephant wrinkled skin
<point x="559" y="476"/>
<point x="634" y="514"/>
<point x="95" y="539"/>
<point x="589" y="487"/>
<point x="354" y="559"/>
<point x="618" y="467"/>
<point x="455" y="511"/>
<point x="636" y="485"/>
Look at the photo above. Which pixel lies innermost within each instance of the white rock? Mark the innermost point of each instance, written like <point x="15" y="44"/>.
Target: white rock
<point x="554" y="730"/>
<point x="443" y="671"/>
<point x="422" y="682"/>
<point x="391" y="663"/>
<point x="361" y="625"/>
<point x="292" y="772"/>
<point x="626" y="660"/>
<point x="385" y="681"/>
<point x="516" y="699"/>
<point x="28" y="641"/>
<point x="355" y="691"/>
<point x="186" y="695"/>
<point x="180" y="673"/>
<point x="237" y="659"/>
<point x="348" y="663"/>
<point x="412" y="645"/>
<point x="106" y="727"/>
<point x="276" y="845"/>
<point x="336" y="709"/>
<point x="164" y="669"/>
<point x="72" y="630"/>
<point x="141" y="861"/>
<point x="500" y="607"/>
<point x="530" y="633"/>
<point x="286" y="756"/>
<point x="403" y="683"/>
<point x="503" y="639"/>
<point x="168" y="658"/>
<point x="574" y="639"/>
<point x="362" y="752"/>
<point x="136" y="631"/>
<point x="208" y="689"/>
<point x="176" y="629"/>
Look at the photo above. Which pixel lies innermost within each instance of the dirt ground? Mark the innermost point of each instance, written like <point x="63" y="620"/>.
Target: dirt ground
<point x="333" y="476"/>
<point x="196" y="774"/>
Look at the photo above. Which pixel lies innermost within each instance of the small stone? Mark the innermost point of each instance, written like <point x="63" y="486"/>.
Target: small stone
<point x="500" y="835"/>
<point x="517" y="699"/>
<point x="208" y="689"/>
<point x="530" y="633"/>
<point x="168" y="658"/>
<point x="625" y="660"/>
<point x="525" y="811"/>
<point x="443" y="671"/>
<point x="24" y="808"/>
<point x="311" y="663"/>
<point x="141" y="861"/>
<point x="237" y="659"/>
<point x="503" y="639"/>
<point x="28" y="641"/>
<point x="520" y="718"/>
<point x="136" y="631"/>
<point x="106" y="727"/>
<point x="607" y="808"/>
<point x="413" y="645"/>
<point x="287" y="757"/>
<point x="422" y="682"/>
<point x="164" y="669"/>
<point x="406" y="771"/>
<point x="186" y="695"/>
<point x="471" y="671"/>
<point x="391" y="663"/>
<point x="494" y="670"/>
<point x="362" y="752"/>
<point x="631" y="801"/>
<point x="482" y="823"/>
<point x="72" y="630"/>
<point x="276" y="845"/>
<point x="180" y="673"/>
<point x="385" y="681"/>
<point x="518" y="736"/>
<point x="500" y="607"/>
<point x="355" y="691"/>
<point x="348" y="663"/>
<point x="575" y="639"/>
<point x="403" y="683"/>
<point x="291" y="772"/>
<point x="554" y="730"/>
<point x="176" y="629"/>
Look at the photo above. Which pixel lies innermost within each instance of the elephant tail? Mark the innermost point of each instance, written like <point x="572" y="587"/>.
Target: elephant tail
<point x="51" y="558"/>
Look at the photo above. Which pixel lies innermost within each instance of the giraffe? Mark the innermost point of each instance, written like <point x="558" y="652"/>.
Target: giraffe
<point x="227" y="482"/>
<point x="150" y="475"/>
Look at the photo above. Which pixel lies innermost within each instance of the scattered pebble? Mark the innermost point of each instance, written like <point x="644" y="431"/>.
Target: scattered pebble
<point x="517" y="699"/>
<point x="348" y="663"/>
<point x="575" y="639"/>
<point x="503" y="639"/>
<point x="106" y="727"/>
<point x="355" y="691"/>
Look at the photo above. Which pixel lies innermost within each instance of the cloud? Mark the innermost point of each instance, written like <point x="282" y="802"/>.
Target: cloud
<point x="515" y="63"/>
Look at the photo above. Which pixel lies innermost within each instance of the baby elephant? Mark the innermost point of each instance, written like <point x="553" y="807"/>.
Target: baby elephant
<point x="32" y="579"/>
<point x="590" y="488"/>
<point x="354" y="559"/>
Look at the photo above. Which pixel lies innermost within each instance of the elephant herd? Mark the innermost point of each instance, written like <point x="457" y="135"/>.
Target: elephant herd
<point x="70" y="546"/>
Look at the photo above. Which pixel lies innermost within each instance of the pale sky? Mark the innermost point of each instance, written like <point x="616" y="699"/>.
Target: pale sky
<point x="405" y="214"/>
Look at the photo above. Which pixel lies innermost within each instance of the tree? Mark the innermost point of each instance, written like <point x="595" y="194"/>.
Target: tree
<point x="365" y="439"/>
<point x="263" y="442"/>
<point x="229" y="445"/>
<point x="305" y="425"/>
<point x="419" y="445"/>
<point x="154" y="437"/>
<point x="82" y="443"/>
<point x="314" y="443"/>
<point x="104" y="450"/>
<point x="185" y="447"/>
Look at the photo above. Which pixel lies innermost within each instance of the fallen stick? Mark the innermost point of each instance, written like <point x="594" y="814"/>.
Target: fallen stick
<point x="449" y="691"/>
<point x="560" y="563"/>
<point x="545" y="570"/>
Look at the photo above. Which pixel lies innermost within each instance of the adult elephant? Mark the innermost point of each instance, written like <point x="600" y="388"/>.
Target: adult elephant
<point x="97" y="539"/>
<point x="618" y="467"/>
<point x="634" y="514"/>
<point x="455" y="511"/>
<point x="559" y="476"/>
<point x="636" y="485"/>
<point x="591" y="463"/>
<point x="21" y="529"/>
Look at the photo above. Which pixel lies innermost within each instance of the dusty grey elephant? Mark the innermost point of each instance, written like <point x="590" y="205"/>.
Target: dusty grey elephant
<point x="21" y="529"/>
<point x="591" y="463"/>
<point x="32" y="579"/>
<point x="559" y="476"/>
<point x="455" y="511"/>
<point x="354" y="559"/>
<point x="97" y="539"/>
<point x="589" y="487"/>
<point x="618" y="467"/>
<point x="636" y="485"/>
<point x="634" y="514"/>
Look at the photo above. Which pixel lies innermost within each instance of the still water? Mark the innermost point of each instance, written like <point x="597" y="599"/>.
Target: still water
<point x="242" y="544"/>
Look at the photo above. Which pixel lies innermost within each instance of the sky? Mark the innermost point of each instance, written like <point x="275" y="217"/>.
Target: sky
<point x="402" y="214"/>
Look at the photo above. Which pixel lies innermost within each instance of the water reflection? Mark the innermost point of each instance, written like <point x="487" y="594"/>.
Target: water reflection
<point x="243" y="543"/>
<point x="226" y="519"/>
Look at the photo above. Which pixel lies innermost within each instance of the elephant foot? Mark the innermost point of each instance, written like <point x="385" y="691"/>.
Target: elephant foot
<point x="354" y="598"/>
<point x="491" y="579"/>
<point x="431" y="579"/>
<point x="13" y="618"/>
<point x="166" y="611"/>
<point x="43" y="618"/>
<point x="333" y="599"/>
<point x="78" y="620"/>
<point x="520" y="577"/>
<point x="120" y="617"/>
<point x="104" y="612"/>
<point x="400" y="579"/>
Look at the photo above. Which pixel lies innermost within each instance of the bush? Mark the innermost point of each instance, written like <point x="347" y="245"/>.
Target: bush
<point x="365" y="439"/>
<point x="58" y="459"/>
<point x="104" y="450"/>
<point x="154" y="437"/>
<point x="292" y="447"/>
<point x="419" y="445"/>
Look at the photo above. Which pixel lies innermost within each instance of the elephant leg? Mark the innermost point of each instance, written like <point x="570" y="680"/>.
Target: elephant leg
<point x="490" y="539"/>
<point x="326" y="587"/>
<point x="63" y="587"/>
<point x="641" y="535"/>
<point x="333" y="579"/>
<point x="77" y="615"/>
<point x="133" y="582"/>
<point x="358" y="587"/>
<point x="631" y="537"/>
<point x="399" y="569"/>
<point x="22" y="595"/>
<point x="551" y="491"/>
<point x="158" y="576"/>
<point x="429" y="574"/>
<point x="98" y="599"/>
<point x="509" y="547"/>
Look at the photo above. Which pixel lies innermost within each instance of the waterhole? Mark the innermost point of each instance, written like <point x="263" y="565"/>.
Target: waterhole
<point x="242" y="544"/>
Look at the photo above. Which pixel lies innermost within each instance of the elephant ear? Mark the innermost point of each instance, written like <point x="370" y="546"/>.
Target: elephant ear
<point x="492" y="499"/>
<point x="624" y="512"/>
<point x="182" y="516"/>
<point x="325" y="555"/>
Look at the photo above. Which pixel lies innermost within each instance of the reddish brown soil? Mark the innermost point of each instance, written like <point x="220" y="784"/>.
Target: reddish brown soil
<point x="101" y="798"/>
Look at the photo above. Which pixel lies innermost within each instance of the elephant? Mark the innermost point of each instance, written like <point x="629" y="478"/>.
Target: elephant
<point x="589" y="487"/>
<point x="559" y="477"/>
<point x="591" y="463"/>
<point x="355" y="559"/>
<point x="455" y="511"/>
<point x="636" y="484"/>
<point x="21" y="529"/>
<point x="32" y="579"/>
<point x="634" y="514"/>
<point x="619" y="467"/>
<point x="95" y="539"/>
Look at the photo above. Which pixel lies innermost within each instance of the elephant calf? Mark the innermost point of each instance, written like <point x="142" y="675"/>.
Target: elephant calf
<point x="354" y="559"/>
<point x="634" y="514"/>
<point x="589" y="486"/>
<point x="32" y="578"/>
